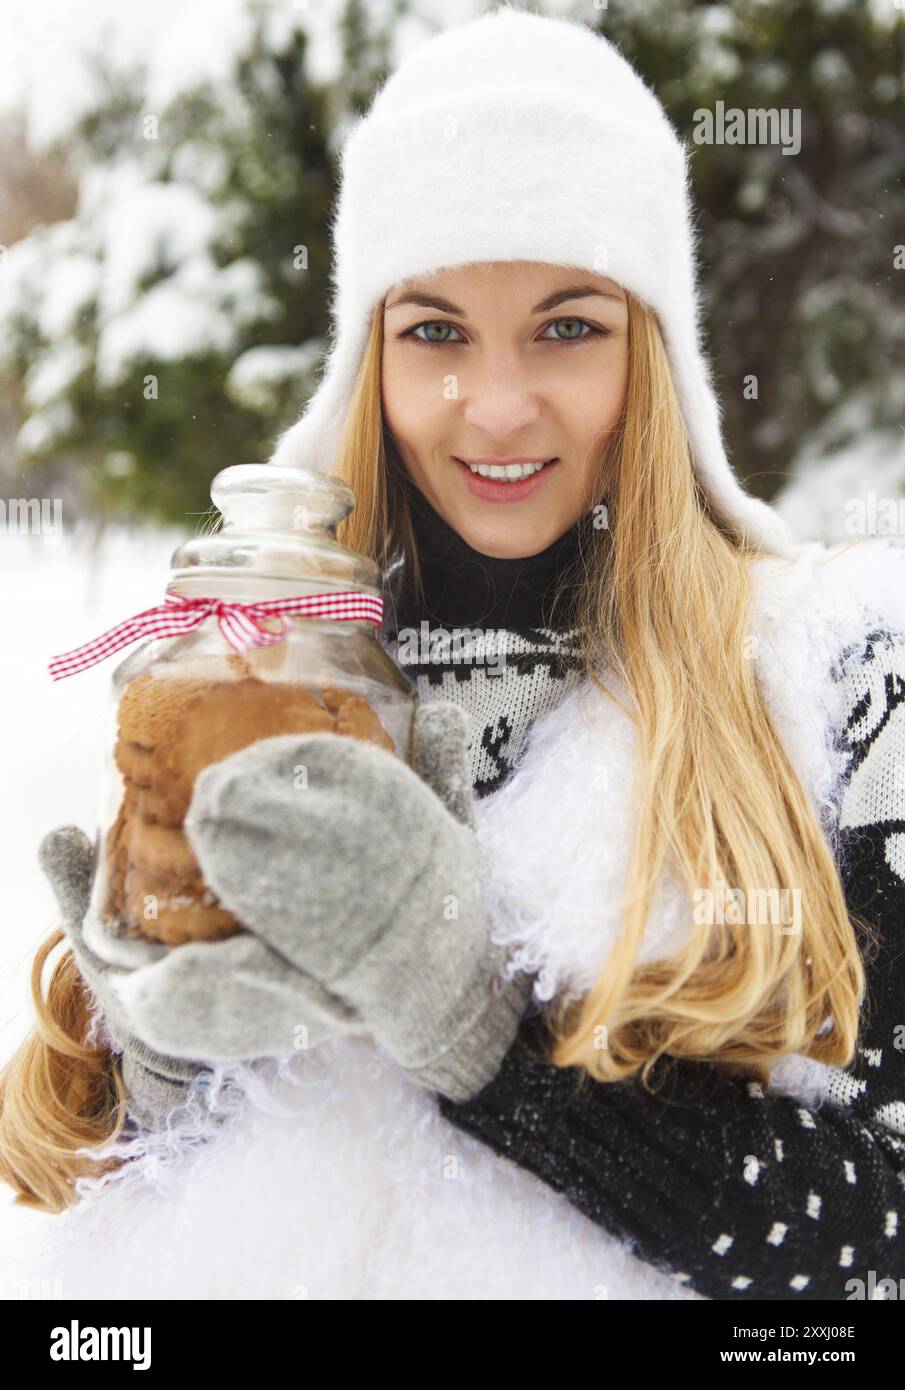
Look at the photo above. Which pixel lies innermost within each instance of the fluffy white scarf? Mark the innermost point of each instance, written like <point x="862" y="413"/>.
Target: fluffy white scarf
<point x="335" y="1177"/>
<point x="559" y="833"/>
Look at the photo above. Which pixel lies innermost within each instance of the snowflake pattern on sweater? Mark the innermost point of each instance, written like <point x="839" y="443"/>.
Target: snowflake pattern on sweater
<point x="482" y="637"/>
<point x="504" y="680"/>
<point x="734" y="1192"/>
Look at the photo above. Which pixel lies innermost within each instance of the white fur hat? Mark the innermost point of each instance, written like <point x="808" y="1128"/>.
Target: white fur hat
<point x="520" y="137"/>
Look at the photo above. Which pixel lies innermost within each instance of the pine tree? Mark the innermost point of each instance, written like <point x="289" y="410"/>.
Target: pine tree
<point x="238" y="181"/>
<point x="804" y="303"/>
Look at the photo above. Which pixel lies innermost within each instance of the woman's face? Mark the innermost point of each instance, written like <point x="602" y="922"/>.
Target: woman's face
<point x="518" y="360"/>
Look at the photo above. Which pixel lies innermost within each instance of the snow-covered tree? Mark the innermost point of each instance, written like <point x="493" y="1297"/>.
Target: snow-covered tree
<point x="803" y="256"/>
<point x="175" y="320"/>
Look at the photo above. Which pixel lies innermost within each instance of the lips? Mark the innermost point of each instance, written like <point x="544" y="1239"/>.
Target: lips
<point x="508" y="470"/>
<point x="504" y="487"/>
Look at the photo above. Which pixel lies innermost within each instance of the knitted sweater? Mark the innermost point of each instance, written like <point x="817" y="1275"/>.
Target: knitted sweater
<point x="485" y="636"/>
<point x="734" y="1191"/>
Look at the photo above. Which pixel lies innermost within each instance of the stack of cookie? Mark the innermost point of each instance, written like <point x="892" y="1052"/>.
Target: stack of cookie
<point x="169" y="728"/>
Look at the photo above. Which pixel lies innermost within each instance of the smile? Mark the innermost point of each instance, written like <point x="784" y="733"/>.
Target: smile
<point x="505" y="482"/>
<point x="510" y="472"/>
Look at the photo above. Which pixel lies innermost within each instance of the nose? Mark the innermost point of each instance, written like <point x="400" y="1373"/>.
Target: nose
<point x="500" y="402"/>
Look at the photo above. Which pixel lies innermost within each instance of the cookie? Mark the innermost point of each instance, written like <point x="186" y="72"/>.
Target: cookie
<point x="149" y="705"/>
<point x="116" y="856"/>
<point x="162" y="808"/>
<point x="170" y="728"/>
<point x="163" y="851"/>
<point x="187" y="918"/>
<point x="137" y="764"/>
<point x="146" y="893"/>
<point x="356" y="719"/>
<point x="236" y="714"/>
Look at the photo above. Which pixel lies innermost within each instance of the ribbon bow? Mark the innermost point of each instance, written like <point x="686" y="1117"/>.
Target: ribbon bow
<point x="242" y="624"/>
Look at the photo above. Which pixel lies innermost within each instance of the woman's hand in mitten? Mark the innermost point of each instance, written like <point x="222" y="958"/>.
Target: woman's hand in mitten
<point x="230" y="1000"/>
<point x="154" y="1082"/>
<point x="365" y="875"/>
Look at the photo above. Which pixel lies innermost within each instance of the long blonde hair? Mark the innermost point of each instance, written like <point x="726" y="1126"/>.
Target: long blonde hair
<point x="665" y="602"/>
<point x="59" y="1093"/>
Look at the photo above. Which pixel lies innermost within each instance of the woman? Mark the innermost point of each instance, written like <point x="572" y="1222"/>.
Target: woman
<point x="676" y="719"/>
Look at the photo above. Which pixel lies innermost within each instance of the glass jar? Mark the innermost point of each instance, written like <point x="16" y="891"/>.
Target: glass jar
<point x="181" y="703"/>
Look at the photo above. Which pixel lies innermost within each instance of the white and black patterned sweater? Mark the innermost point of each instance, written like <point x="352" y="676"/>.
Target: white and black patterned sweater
<point x="734" y="1191"/>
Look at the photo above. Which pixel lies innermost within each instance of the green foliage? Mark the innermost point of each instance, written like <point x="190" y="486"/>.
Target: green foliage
<point x="149" y="445"/>
<point x="800" y="291"/>
<point x="797" y="251"/>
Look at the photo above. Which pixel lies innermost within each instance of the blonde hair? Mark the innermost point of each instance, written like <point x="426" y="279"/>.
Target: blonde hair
<point x="58" y="1093"/>
<point x="664" y="601"/>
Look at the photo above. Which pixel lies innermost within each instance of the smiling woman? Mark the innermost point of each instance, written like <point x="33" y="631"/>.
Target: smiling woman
<point x="501" y="413"/>
<point x="665" y="570"/>
<point x="659" y="693"/>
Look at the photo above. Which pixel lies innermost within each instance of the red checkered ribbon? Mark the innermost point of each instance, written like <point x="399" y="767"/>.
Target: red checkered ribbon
<point x="240" y="623"/>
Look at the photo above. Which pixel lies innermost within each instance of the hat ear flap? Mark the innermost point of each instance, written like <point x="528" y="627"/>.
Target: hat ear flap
<point x="313" y="441"/>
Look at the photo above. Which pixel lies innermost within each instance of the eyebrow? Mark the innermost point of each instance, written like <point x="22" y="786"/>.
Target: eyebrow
<point x="432" y="301"/>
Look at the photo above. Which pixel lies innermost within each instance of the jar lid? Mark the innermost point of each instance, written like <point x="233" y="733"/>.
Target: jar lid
<point x="277" y="537"/>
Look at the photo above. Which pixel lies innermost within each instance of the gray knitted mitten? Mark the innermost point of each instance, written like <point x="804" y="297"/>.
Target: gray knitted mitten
<point x="358" y="873"/>
<point x="230" y="1000"/>
<point x="362" y="895"/>
<point x="155" y="1083"/>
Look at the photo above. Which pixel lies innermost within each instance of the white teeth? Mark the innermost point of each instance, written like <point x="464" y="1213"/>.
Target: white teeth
<point x="510" y="472"/>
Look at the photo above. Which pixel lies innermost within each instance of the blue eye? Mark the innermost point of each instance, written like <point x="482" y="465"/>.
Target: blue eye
<point x="577" y="338"/>
<point x="413" y="333"/>
<point x="427" y="342"/>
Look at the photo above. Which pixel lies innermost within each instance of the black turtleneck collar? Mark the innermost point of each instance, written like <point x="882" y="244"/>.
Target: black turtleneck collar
<point x="464" y="588"/>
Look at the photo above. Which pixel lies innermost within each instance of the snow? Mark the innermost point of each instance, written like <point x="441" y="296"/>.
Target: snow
<point x="54" y="372"/>
<point x="47" y="274"/>
<point x="49" y="774"/>
<point x="46" y="63"/>
<point x="45" y="428"/>
<point x="257" y="371"/>
<point x="200" y="308"/>
<point x="126" y="228"/>
<point x="826" y="492"/>
<point x="200" y="165"/>
<point x="140" y="222"/>
<point x="70" y="282"/>
<point x="199" y="44"/>
<point x="145" y="226"/>
<point x="50" y="769"/>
